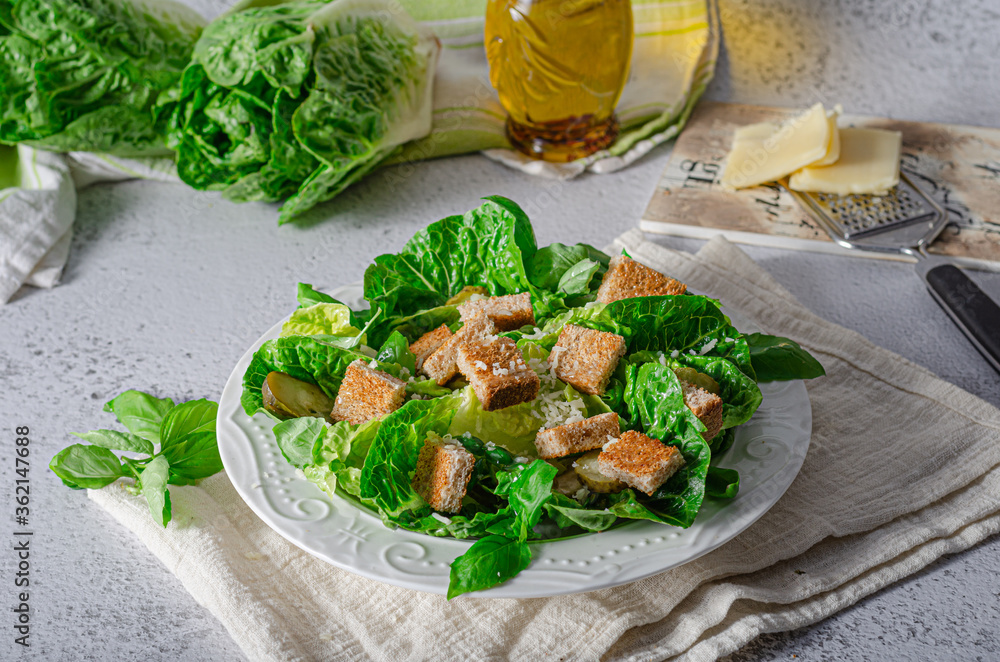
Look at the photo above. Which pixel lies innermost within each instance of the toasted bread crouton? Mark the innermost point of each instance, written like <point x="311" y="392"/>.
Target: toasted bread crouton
<point x="366" y="394"/>
<point x="443" y="473"/>
<point x="577" y="437"/>
<point x="440" y="365"/>
<point x="508" y="312"/>
<point x="626" y="279"/>
<point x="639" y="461"/>
<point x="585" y="358"/>
<point x="497" y="372"/>
<point x="706" y="406"/>
<point x="429" y="343"/>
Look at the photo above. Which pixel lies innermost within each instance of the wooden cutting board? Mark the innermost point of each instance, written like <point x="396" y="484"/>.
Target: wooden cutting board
<point x="958" y="165"/>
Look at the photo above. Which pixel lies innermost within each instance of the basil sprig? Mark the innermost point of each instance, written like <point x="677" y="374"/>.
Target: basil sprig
<point x="185" y="434"/>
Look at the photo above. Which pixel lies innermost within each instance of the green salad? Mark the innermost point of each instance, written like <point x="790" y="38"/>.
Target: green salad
<point x="508" y="496"/>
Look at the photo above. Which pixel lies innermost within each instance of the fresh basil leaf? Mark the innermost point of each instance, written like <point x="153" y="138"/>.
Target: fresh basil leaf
<point x="566" y="513"/>
<point x="505" y="479"/>
<point x="625" y="504"/>
<point x="192" y="457"/>
<point x="154" y="488"/>
<point x="397" y="350"/>
<point x="577" y="278"/>
<point x="297" y="437"/>
<point x="86" y="467"/>
<point x="189" y="417"/>
<point x="490" y="561"/>
<point x="482" y="523"/>
<point x="528" y="494"/>
<point x="777" y="359"/>
<point x="141" y="413"/>
<point x="550" y="266"/>
<point x="188" y="441"/>
<point x="117" y="441"/>
<point x="722" y="483"/>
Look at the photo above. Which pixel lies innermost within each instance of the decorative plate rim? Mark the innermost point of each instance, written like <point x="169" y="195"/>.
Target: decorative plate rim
<point x="769" y="451"/>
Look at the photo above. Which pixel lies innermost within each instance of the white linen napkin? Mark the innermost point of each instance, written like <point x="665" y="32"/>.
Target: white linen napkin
<point x="902" y="468"/>
<point x="36" y="217"/>
<point x="36" y="214"/>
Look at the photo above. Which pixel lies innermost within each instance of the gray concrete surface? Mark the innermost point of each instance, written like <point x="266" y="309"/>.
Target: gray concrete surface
<point x="166" y="287"/>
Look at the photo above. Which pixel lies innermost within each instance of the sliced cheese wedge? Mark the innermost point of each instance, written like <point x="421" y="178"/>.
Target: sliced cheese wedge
<point x="766" y="153"/>
<point x="868" y="163"/>
<point x="833" y="148"/>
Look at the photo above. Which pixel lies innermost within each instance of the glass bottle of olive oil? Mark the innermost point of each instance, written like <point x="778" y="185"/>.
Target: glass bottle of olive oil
<point x="559" y="67"/>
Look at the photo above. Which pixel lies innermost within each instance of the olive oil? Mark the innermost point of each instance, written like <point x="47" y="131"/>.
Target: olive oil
<point x="559" y="67"/>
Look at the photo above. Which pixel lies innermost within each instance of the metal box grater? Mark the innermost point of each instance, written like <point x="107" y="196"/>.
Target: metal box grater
<point x="906" y="220"/>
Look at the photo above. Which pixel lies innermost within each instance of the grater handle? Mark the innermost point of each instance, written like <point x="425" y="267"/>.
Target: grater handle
<point x="969" y="307"/>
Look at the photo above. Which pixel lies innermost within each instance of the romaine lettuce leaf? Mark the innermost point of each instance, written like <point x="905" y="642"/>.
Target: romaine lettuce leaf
<point x="332" y="319"/>
<point x="687" y="330"/>
<point x="303" y="357"/>
<point x="85" y="74"/>
<point x="660" y="404"/>
<point x="296" y="100"/>
<point x="515" y="427"/>
<point x="740" y="394"/>
<point x="487" y="246"/>
<point x="392" y="458"/>
<point x="327" y="454"/>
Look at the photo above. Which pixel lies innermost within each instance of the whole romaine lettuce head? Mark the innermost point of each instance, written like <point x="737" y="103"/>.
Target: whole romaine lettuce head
<point x="85" y="74"/>
<point x="295" y="101"/>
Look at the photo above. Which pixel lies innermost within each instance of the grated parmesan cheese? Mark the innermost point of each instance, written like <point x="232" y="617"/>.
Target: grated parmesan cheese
<point x="709" y="346"/>
<point x="536" y="334"/>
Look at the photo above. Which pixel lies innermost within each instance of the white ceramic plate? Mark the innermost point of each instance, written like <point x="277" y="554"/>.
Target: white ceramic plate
<point x="768" y="453"/>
